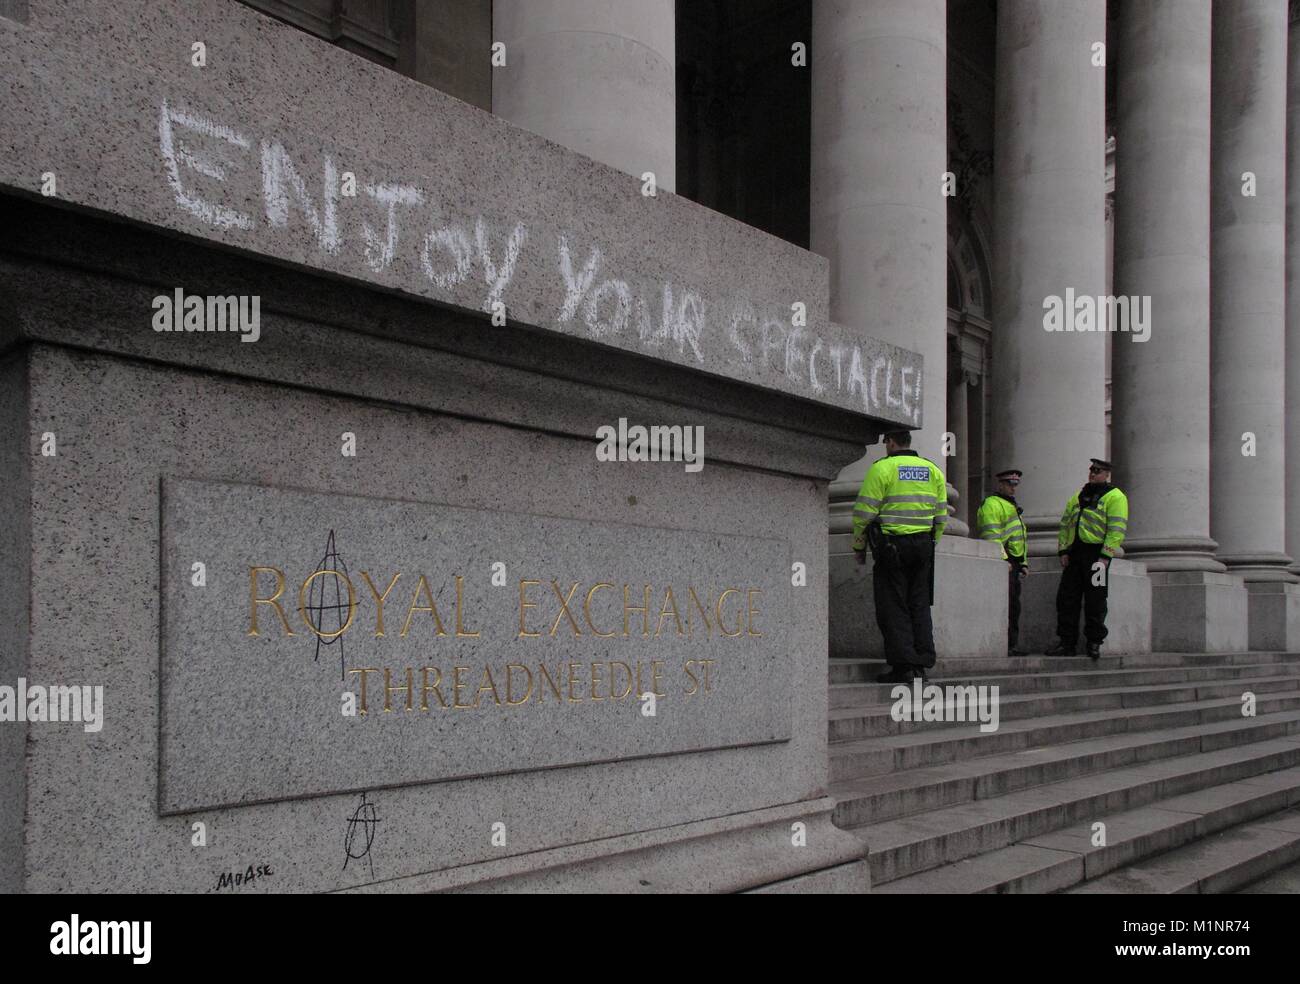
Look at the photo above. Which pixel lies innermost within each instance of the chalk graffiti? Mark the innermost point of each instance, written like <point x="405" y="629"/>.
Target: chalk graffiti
<point x="596" y="297"/>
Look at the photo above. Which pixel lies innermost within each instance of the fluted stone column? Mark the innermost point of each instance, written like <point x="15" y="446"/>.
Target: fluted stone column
<point x="1050" y="246"/>
<point x="1161" y="419"/>
<point x="1293" y="289"/>
<point x="596" y="76"/>
<point x="879" y="149"/>
<point x="1247" y="320"/>
<point x="1049" y="206"/>
<point x="1248" y="285"/>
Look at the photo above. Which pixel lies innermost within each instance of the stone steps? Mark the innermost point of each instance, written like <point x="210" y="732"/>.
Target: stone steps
<point x="1066" y="857"/>
<point x="917" y="843"/>
<point x="873" y="720"/>
<point x="865" y="670"/>
<point x="1009" y="683"/>
<point x="1220" y="863"/>
<point x="866" y="757"/>
<point x="913" y="791"/>
<point x="1153" y="746"/>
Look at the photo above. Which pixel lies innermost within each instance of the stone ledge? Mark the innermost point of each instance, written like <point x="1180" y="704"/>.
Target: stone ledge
<point x="717" y="855"/>
<point x="452" y="204"/>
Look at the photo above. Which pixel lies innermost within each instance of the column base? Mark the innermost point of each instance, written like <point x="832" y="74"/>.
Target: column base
<point x="970" y="601"/>
<point x="1274" y="616"/>
<point x="1129" y="607"/>
<point x="1170" y="553"/>
<point x="1263" y="566"/>
<point x="1198" y="612"/>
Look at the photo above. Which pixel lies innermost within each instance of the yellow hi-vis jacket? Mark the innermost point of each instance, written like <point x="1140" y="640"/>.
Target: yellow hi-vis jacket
<point x="1105" y="522"/>
<point x="905" y="493"/>
<point x="999" y="520"/>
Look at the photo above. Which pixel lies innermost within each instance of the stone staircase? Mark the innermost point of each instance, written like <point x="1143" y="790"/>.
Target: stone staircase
<point x="1194" y="795"/>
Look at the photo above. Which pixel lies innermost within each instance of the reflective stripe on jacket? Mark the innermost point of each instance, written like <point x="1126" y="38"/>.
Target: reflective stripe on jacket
<point x="1105" y="522"/>
<point x="905" y="493"/>
<point x="999" y="520"/>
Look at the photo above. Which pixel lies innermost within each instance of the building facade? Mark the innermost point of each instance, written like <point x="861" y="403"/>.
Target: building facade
<point x="835" y="126"/>
<point x="481" y="231"/>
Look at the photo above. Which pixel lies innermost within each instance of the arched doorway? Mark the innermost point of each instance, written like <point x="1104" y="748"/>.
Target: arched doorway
<point x="969" y="351"/>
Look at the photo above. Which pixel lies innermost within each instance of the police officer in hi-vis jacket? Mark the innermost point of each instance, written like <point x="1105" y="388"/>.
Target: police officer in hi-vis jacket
<point x="901" y="511"/>
<point x="999" y="520"/>
<point x="1092" y="528"/>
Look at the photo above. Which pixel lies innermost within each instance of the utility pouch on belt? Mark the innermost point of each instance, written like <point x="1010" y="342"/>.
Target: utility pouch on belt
<point x="883" y="550"/>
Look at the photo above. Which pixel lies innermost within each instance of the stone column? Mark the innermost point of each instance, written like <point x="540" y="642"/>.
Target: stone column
<point x="879" y="147"/>
<point x="1161" y="419"/>
<point x="1248" y="240"/>
<point x="1049" y="207"/>
<point x="1293" y="288"/>
<point x="879" y="151"/>
<point x="596" y="76"/>
<point x="1247" y="317"/>
<point x="1049" y="386"/>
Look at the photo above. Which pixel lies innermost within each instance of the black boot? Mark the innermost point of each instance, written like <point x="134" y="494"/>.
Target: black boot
<point x="1094" y="651"/>
<point x="1061" y="649"/>
<point x="896" y="674"/>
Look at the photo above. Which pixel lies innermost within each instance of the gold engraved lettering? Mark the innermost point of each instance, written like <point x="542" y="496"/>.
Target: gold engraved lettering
<point x="379" y="601"/>
<point x="546" y="675"/>
<point x="586" y="607"/>
<point x="722" y="627"/>
<point x="456" y="687"/>
<point x="523" y="629"/>
<point x="694" y="685"/>
<point x="302" y="604"/>
<point x="564" y="608"/>
<point x="669" y="606"/>
<point x="595" y="679"/>
<point x="431" y="608"/>
<point x="425" y="689"/>
<point x="706" y="663"/>
<point x="749" y="621"/>
<point x="704" y="614"/>
<point x="389" y="689"/>
<point x="363" y="671"/>
<point x="644" y="610"/>
<point x="487" y="684"/>
<point x="510" y="672"/>
<point x="460" y="626"/>
<point x="572" y="678"/>
<point x="628" y="670"/>
<point x="655" y="682"/>
<point x="273" y="601"/>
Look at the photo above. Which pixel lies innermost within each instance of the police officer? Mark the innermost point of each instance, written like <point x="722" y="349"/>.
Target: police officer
<point x="999" y="520"/>
<point x="901" y="510"/>
<point x="1092" y="529"/>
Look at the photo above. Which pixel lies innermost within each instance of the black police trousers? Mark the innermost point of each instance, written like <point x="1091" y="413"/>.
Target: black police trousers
<point x="1077" y="585"/>
<point x="1013" y="606"/>
<point x="901" y="580"/>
